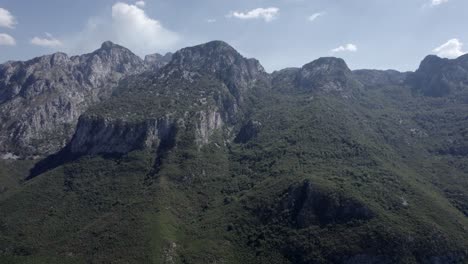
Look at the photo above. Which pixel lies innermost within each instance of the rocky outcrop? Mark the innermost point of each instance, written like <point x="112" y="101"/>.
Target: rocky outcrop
<point x="42" y="99"/>
<point x="438" y="77"/>
<point x="156" y="61"/>
<point x="96" y="135"/>
<point x="207" y="122"/>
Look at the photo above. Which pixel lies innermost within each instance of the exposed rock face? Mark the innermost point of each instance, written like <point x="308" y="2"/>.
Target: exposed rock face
<point x="440" y="77"/>
<point x="376" y="78"/>
<point x="219" y="59"/>
<point x="328" y="75"/>
<point x="96" y="135"/>
<point x="207" y="122"/>
<point x="101" y="136"/>
<point x="41" y="99"/>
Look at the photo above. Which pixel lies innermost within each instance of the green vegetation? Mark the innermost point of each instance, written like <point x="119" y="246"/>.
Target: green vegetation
<point x="383" y="149"/>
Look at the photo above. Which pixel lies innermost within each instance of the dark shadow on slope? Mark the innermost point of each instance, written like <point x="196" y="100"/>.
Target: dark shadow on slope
<point x="164" y="147"/>
<point x="247" y="132"/>
<point x="51" y="162"/>
<point x="60" y="158"/>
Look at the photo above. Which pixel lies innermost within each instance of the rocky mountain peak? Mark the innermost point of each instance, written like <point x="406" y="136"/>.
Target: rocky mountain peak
<point x="215" y="56"/>
<point x="59" y="58"/>
<point x="218" y="59"/>
<point x="438" y="77"/>
<point x="108" y="45"/>
<point x="115" y="57"/>
<point x="431" y="63"/>
<point x="327" y="74"/>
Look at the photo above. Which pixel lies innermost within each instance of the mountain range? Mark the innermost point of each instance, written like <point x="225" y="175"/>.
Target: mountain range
<point x="201" y="156"/>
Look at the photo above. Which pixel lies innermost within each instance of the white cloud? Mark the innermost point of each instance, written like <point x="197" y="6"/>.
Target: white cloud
<point x="7" y="19"/>
<point x="267" y="14"/>
<point x="438" y="2"/>
<point x="347" y="47"/>
<point x="48" y="41"/>
<point x="127" y="25"/>
<point x="450" y="49"/>
<point x="211" y="20"/>
<point x="140" y="4"/>
<point x="313" y="17"/>
<point x="7" y="40"/>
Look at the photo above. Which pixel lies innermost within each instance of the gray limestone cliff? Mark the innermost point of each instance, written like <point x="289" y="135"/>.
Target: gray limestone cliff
<point x="42" y="99"/>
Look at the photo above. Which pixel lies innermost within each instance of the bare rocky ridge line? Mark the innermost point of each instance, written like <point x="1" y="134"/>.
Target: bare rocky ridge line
<point x="41" y="100"/>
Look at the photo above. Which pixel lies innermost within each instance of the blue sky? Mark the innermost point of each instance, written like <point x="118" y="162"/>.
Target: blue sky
<point x="380" y="34"/>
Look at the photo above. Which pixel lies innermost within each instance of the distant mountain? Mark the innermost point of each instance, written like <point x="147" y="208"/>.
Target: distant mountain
<point x="203" y="157"/>
<point x="440" y="77"/>
<point x="378" y="78"/>
<point x="157" y="61"/>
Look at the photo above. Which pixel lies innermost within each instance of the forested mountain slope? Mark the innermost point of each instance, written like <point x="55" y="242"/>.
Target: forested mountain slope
<point x="210" y="159"/>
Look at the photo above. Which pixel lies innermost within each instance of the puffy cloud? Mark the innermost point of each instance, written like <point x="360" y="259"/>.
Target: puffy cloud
<point x="140" y="4"/>
<point x="128" y="25"/>
<point x="211" y="20"/>
<point x="267" y="14"/>
<point x="7" y="19"/>
<point x="7" y="40"/>
<point x="347" y="47"/>
<point x="133" y="28"/>
<point x="450" y="49"/>
<point x="48" y="41"/>
<point x="313" y="17"/>
<point x="438" y="2"/>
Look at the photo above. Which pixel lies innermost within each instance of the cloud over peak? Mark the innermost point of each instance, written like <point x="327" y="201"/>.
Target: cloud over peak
<point x="7" y="19"/>
<point x="128" y="25"/>
<point x="453" y="48"/>
<point x="48" y="41"/>
<point x="267" y="14"/>
<point x="347" y="47"/>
